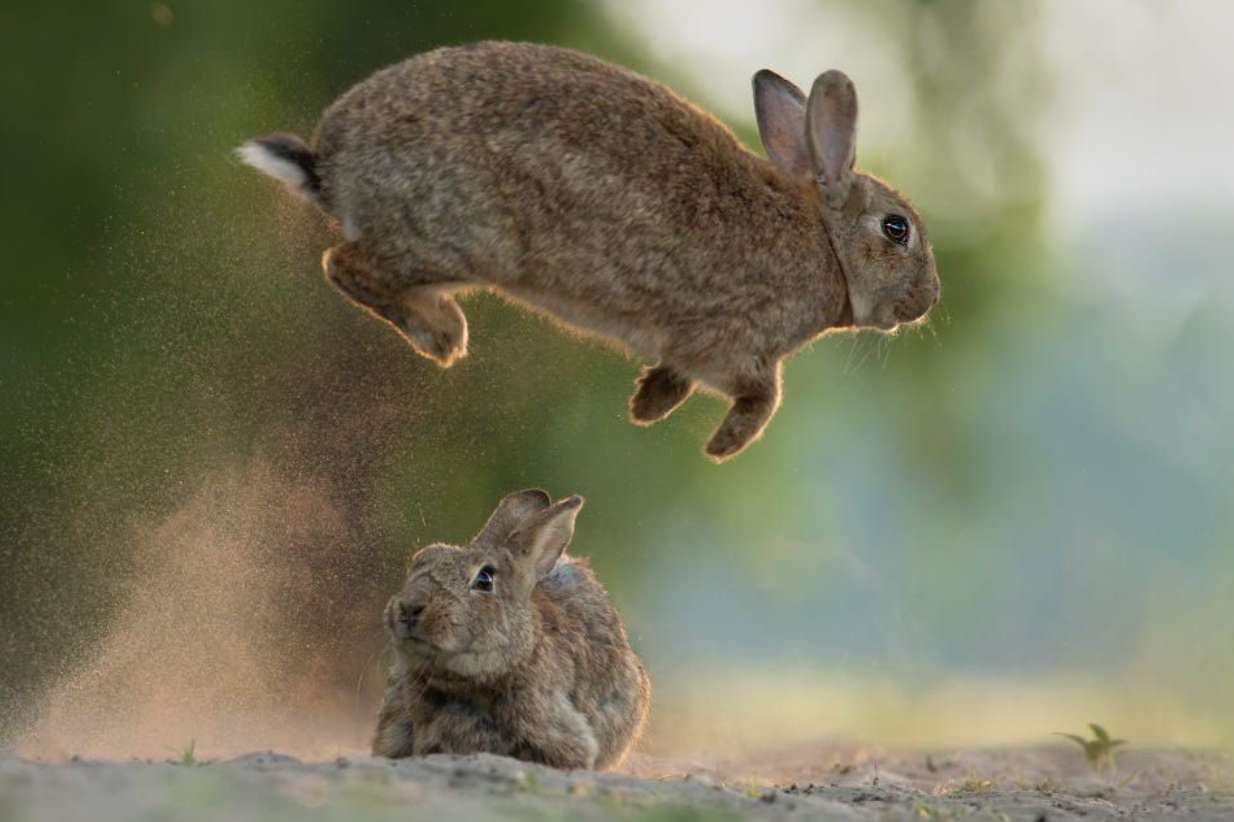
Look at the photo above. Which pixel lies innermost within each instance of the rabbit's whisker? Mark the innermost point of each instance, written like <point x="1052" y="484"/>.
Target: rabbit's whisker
<point x="363" y="676"/>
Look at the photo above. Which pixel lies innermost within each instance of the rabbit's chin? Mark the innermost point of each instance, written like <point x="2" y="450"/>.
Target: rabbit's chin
<point x="416" y="648"/>
<point x="878" y="317"/>
<point x="867" y="313"/>
<point x="474" y="664"/>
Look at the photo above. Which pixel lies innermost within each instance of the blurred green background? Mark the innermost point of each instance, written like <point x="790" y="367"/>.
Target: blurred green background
<point x="1009" y="522"/>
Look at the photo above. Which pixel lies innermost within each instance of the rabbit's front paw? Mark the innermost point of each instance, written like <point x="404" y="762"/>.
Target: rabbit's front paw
<point x="660" y="391"/>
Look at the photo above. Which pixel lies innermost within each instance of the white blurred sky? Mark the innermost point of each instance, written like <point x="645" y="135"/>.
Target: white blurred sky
<point x="1144" y="117"/>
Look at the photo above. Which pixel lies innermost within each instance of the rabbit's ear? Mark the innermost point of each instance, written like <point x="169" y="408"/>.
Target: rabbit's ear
<point x="780" y="108"/>
<point x="832" y="116"/>
<point x="542" y="538"/>
<point x="510" y="513"/>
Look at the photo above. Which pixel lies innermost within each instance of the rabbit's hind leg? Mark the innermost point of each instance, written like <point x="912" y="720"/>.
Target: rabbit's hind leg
<point x="754" y="404"/>
<point x="660" y="390"/>
<point x="424" y="314"/>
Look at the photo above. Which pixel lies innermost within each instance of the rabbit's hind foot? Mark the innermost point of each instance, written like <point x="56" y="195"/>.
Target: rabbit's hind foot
<point x="660" y="390"/>
<point x="434" y="325"/>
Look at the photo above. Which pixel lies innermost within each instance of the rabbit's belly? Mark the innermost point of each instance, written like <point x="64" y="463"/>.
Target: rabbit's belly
<point x="639" y="334"/>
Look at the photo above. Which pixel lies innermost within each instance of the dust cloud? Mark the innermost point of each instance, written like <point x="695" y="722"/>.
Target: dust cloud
<point x="252" y="619"/>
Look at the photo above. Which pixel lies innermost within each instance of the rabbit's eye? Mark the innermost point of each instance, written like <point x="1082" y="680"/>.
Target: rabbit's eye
<point x="896" y="228"/>
<point x="484" y="580"/>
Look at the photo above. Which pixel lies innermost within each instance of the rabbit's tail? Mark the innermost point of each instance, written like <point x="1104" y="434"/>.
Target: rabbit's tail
<point x="286" y="158"/>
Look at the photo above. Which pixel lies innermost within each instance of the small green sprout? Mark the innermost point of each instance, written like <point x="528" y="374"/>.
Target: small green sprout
<point x="932" y="812"/>
<point x="974" y="785"/>
<point x="189" y="756"/>
<point x="1100" y="749"/>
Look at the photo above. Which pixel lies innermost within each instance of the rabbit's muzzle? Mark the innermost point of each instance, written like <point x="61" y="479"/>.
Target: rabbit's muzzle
<point x="403" y="618"/>
<point x="921" y="297"/>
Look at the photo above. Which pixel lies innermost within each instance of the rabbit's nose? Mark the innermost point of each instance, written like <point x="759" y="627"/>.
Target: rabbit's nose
<point x="409" y="613"/>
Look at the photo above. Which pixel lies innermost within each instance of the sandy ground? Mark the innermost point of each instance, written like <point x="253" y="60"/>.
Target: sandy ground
<point x="823" y="781"/>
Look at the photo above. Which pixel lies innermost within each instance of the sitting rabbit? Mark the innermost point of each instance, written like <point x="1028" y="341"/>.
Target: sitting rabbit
<point x="599" y="197"/>
<point x="506" y="646"/>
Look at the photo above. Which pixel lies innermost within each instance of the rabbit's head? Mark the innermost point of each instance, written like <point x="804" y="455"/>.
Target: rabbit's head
<point x="877" y="236"/>
<point x="468" y="610"/>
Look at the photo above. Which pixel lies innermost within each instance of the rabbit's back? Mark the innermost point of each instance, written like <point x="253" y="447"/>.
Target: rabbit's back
<point x="541" y="114"/>
<point x="611" y="688"/>
<point x="575" y="185"/>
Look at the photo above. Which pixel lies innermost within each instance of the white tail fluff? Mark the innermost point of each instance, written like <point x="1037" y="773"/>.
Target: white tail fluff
<point x="285" y="158"/>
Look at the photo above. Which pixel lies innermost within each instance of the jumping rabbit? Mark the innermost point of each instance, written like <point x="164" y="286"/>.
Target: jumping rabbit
<point x="508" y="647"/>
<point x="599" y="197"/>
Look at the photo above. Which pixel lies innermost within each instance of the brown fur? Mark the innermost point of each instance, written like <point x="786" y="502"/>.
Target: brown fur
<point x="599" y="197"/>
<point x="539" y="668"/>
